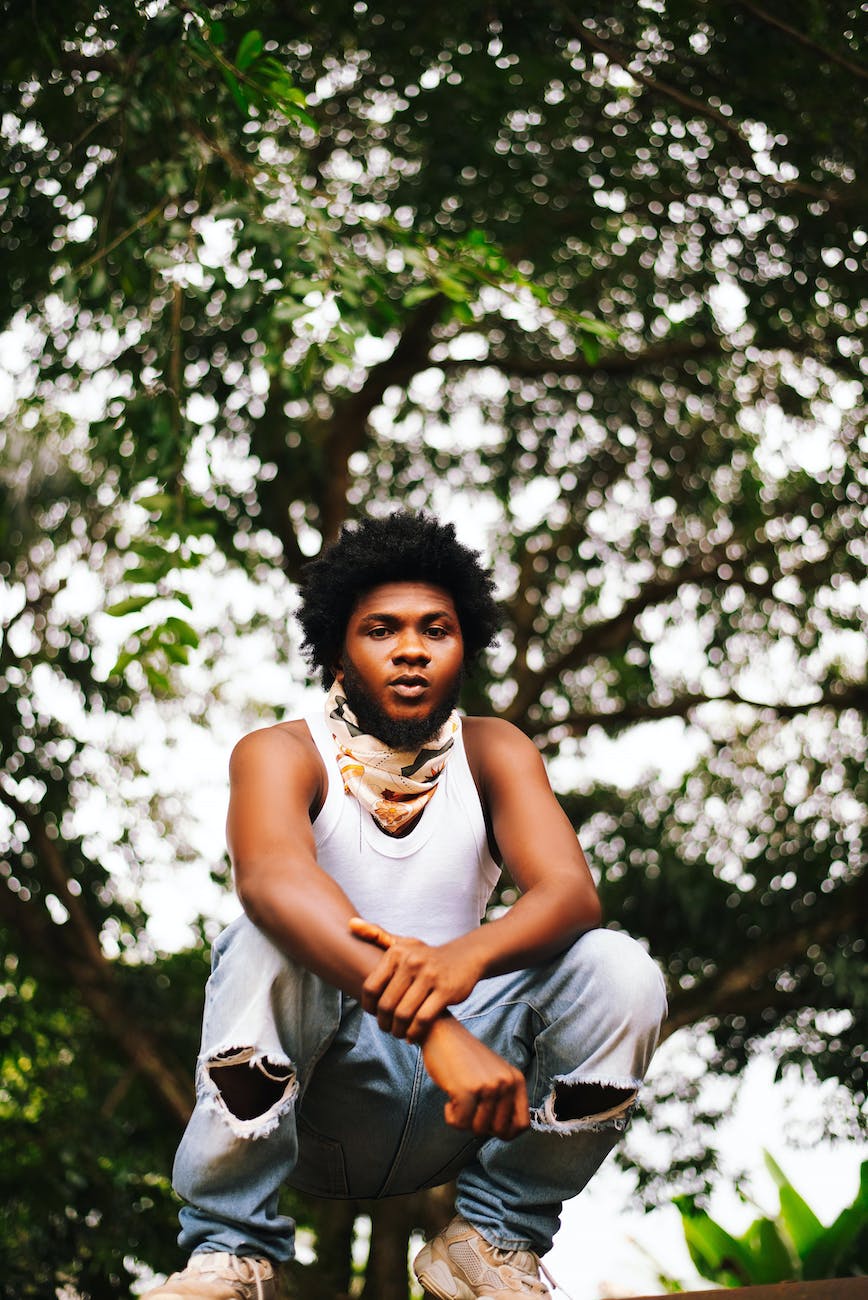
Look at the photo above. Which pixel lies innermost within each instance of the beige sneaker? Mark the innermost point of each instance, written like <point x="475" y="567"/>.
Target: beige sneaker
<point x="459" y="1264"/>
<point x="215" y="1275"/>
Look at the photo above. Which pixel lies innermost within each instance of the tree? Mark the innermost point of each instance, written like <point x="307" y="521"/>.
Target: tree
<point x="256" y="281"/>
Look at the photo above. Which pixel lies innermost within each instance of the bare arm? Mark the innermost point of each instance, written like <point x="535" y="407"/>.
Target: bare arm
<point x="275" y="778"/>
<point x="538" y="847"/>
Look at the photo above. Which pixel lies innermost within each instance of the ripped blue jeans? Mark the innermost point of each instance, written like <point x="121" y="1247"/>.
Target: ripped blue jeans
<point x="351" y="1111"/>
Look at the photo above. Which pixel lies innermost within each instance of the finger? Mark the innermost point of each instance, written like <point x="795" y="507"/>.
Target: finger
<point x="458" y="1111"/>
<point x="433" y="1006"/>
<point x="377" y="982"/>
<point x="407" y="1012"/>
<point x="503" y="1119"/>
<point x="391" y="998"/>
<point x="521" y="1109"/>
<point x="370" y="932"/>
<point x="483" y="1118"/>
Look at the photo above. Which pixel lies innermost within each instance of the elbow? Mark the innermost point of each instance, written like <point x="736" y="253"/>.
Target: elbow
<point x="586" y="909"/>
<point x="592" y="913"/>
<point x="252" y="896"/>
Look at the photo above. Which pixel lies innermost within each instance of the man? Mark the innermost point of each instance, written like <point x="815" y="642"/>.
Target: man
<point x="360" y="992"/>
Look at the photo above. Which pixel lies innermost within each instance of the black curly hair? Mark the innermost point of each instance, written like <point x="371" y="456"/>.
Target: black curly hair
<point x="403" y="546"/>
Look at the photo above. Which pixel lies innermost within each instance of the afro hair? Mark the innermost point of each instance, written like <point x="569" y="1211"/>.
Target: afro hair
<point x="404" y="546"/>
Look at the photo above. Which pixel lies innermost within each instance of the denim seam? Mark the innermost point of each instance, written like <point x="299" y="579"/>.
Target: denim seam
<point x="499" y="1006"/>
<point x="408" y="1126"/>
<point x="325" y="1043"/>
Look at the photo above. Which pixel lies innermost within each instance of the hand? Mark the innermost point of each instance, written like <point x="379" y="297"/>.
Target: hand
<point x="486" y="1094"/>
<point x="414" y="982"/>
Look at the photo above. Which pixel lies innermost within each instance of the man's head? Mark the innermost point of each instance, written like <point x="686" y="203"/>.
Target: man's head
<point x="410" y="550"/>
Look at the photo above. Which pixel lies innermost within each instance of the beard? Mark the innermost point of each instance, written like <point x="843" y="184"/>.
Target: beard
<point x="397" y="733"/>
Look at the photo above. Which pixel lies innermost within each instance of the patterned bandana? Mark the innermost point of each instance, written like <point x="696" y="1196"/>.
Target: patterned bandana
<point x="393" y="784"/>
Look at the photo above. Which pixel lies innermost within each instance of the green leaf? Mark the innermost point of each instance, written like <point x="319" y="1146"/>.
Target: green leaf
<point x="771" y="1256"/>
<point x="158" y="681"/>
<point x="176" y="654"/>
<point x="715" y="1252"/>
<point x="237" y="93"/>
<point x="183" y="632"/>
<point x="799" y="1219"/>
<point x="160" y="259"/>
<point x="598" y="327"/>
<point x="132" y="605"/>
<point x="152" y="570"/>
<point x="463" y="312"/>
<point x="453" y="290"/>
<point x="590" y="350"/>
<point x="159" y="502"/>
<point x="249" y="50"/>
<point x="123" y="661"/>
<point x="290" y="309"/>
<point x="420" y="293"/>
<point x="829" y="1255"/>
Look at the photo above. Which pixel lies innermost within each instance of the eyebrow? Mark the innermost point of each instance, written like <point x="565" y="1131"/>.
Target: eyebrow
<point x="428" y="616"/>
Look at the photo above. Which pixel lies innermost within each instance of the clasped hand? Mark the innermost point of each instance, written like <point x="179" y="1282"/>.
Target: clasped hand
<point x="413" y="983"/>
<point x="409" y="991"/>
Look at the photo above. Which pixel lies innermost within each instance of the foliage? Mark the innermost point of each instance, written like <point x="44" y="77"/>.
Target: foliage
<point x="592" y="282"/>
<point x="792" y="1246"/>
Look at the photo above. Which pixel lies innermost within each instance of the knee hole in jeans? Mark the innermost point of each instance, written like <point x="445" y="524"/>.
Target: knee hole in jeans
<point x="250" y="1090"/>
<point x="581" y="1100"/>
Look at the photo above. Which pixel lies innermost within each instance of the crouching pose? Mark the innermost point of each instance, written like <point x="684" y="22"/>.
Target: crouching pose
<point x="364" y="1035"/>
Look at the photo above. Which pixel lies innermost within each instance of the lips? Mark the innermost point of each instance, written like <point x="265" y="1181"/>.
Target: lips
<point x="409" y="687"/>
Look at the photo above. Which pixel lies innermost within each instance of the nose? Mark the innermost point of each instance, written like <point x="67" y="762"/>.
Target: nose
<point x="410" y="647"/>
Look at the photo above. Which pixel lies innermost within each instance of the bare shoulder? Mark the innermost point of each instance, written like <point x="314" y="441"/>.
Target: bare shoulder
<point x="495" y="746"/>
<point x="284" y="751"/>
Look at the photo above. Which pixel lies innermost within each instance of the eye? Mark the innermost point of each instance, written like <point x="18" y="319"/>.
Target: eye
<point x="438" y="631"/>
<point x="379" y="633"/>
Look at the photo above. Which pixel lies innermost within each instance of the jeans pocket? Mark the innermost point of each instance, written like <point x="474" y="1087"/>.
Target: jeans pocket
<point x="320" y="1168"/>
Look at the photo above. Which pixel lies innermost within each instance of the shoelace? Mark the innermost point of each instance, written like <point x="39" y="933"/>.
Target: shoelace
<point x="548" y="1277"/>
<point x="217" y="1268"/>
<point x="508" y="1255"/>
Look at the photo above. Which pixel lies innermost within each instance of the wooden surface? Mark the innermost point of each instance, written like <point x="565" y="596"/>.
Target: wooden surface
<point x="850" y="1288"/>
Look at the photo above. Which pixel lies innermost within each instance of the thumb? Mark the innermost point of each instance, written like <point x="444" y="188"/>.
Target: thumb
<point x="370" y="932"/>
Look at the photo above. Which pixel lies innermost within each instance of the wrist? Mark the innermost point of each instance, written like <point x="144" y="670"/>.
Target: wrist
<point x="444" y="1027"/>
<point x="469" y="954"/>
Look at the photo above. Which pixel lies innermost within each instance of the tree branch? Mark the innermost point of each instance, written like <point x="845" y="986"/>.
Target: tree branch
<point x="625" y="60"/>
<point x="346" y="431"/>
<point x="610" y="632"/>
<point x="104" y="250"/>
<point x="765" y="17"/>
<point x="579" y="722"/>
<point x="627" y="363"/>
<point x="733" y="989"/>
<point x="614" y="363"/>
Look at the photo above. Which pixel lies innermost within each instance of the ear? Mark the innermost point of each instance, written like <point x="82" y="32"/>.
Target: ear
<point x="338" y="671"/>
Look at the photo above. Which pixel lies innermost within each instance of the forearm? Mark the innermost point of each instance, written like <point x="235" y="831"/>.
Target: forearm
<point x="542" y="923"/>
<point x="306" y="914"/>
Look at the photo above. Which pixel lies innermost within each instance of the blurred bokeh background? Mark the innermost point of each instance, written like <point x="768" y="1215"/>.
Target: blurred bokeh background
<point x="591" y="283"/>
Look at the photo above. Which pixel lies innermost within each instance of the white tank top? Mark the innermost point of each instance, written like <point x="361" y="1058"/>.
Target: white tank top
<point x="433" y="883"/>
